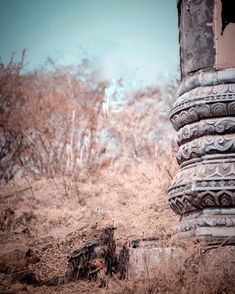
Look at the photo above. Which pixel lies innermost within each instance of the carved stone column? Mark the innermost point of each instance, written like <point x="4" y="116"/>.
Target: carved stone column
<point x="203" y="192"/>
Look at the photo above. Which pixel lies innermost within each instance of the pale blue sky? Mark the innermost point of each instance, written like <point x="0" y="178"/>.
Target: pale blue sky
<point x="133" y="39"/>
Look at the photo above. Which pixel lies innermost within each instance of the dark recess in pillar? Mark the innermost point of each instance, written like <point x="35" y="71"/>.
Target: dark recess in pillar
<point x="179" y="35"/>
<point x="228" y="13"/>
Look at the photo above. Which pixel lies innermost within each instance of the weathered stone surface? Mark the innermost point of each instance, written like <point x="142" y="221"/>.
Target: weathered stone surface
<point x="214" y="126"/>
<point x="152" y="262"/>
<point x="196" y="35"/>
<point x="145" y="260"/>
<point x="213" y="225"/>
<point x="206" y="78"/>
<point x="203" y="103"/>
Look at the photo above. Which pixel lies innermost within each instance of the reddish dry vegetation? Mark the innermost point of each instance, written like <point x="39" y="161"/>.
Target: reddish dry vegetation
<point x="70" y="165"/>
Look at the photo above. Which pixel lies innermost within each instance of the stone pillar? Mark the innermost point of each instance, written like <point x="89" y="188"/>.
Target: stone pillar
<point x="203" y="191"/>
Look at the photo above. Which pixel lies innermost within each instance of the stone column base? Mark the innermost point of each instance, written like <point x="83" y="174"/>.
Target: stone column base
<point x="168" y="262"/>
<point x="212" y="225"/>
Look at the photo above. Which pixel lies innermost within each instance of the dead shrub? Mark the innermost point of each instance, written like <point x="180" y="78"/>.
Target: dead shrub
<point x="54" y="123"/>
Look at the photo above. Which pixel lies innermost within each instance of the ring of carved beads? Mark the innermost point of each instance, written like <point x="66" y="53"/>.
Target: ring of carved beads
<point x="206" y="127"/>
<point x="203" y="102"/>
<point x="206" y="145"/>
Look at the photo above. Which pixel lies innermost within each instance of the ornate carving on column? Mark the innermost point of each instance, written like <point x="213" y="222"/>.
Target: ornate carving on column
<point x="203" y="191"/>
<point x="205" y="120"/>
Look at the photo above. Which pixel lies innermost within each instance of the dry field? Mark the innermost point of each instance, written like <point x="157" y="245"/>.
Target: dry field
<point x="72" y="163"/>
<point x="53" y="220"/>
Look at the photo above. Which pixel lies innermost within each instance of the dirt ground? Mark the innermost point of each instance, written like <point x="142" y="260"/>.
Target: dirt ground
<point x="53" y="217"/>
